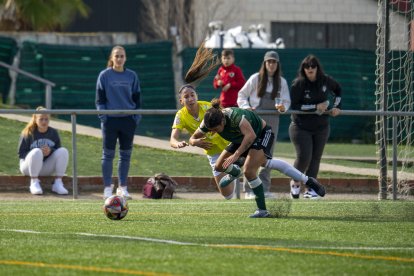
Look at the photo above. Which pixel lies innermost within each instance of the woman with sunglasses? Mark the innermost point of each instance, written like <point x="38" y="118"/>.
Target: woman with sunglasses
<point x="315" y="92"/>
<point x="41" y="154"/>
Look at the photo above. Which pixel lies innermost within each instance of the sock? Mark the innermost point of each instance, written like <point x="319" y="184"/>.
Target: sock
<point x="257" y="187"/>
<point x="287" y="169"/>
<point x="233" y="170"/>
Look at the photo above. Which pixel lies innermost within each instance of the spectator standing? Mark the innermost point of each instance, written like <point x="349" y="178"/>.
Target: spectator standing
<point x="311" y="91"/>
<point x="229" y="78"/>
<point x="266" y="90"/>
<point x="117" y="88"/>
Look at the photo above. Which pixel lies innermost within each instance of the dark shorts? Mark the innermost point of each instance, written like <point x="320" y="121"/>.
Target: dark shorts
<point x="264" y="142"/>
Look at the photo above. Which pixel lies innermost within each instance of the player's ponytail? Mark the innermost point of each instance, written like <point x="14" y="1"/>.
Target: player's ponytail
<point x="215" y="103"/>
<point x="213" y="116"/>
<point x="204" y="62"/>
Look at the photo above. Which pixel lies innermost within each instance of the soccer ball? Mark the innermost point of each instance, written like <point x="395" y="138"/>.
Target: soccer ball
<point x="115" y="207"/>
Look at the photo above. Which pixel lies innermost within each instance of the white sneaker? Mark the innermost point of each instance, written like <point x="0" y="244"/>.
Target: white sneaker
<point x="108" y="191"/>
<point x="123" y="191"/>
<point x="58" y="187"/>
<point x="269" y="195"/>
<point x="249" y="195"/>
<point x="311" y="194"/>
<point x="35" y="188"/>
<point x="294" y="189"/>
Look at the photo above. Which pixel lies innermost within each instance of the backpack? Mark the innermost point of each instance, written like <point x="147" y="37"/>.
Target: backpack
<point x="161" y="186"/>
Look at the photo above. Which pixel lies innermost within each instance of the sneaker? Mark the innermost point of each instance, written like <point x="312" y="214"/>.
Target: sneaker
<point x="249" y="195"/>
<point x="310" y="194"/>
<point x="123" y="191"/>
<point x="269" y="195"/>
<point x="294" y="189"/>
<point x="35" y="188"/>
<point x="260" y="214"/>
<point x="313" y="184"/>
<point x="58" y="187"/>
<point x="227" y="179"/>
<point x="108" y="191"/>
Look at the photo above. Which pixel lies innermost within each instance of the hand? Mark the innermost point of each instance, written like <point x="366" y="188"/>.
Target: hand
<point x="182" y="144"/>
<point x="280" y="108"/>
<point x="335" y="112"/>
<point x="321" y="107"/>
<point x="226" y="87"/>
<point x="202" y="143"/>
<point x="46" y="150"/>
<point x="230" y="160"/>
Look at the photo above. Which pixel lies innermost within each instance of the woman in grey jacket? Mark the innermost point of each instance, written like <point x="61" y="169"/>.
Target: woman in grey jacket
<point x="266" y="89"/>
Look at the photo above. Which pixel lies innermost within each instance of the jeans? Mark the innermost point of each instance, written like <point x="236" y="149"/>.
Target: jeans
<point x="116" y="129"/>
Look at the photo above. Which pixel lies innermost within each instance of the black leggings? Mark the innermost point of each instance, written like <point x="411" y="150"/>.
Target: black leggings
<point x="309" y="147"/>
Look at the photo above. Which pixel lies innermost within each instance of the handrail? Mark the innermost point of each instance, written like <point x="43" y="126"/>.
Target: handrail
<point x="75" y="112"/>
<point x="48" y="84"/>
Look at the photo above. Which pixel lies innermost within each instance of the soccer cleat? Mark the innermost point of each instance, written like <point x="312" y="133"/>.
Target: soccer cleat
<point x="310" y="194"/>
<point x="35" y="188"/>
<point x="123" y="191"/>
<point x="260" y="214"/>
<point x="108" y="191"/>
<point x="249" y="195"/>
<point x="58" y="187"/>
<point x="294" y="189"/>
<point x="313" y="184"/>
<point x="269" y="195"/>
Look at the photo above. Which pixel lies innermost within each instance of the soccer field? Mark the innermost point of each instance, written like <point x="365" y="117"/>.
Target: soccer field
<point x="207" y="237"/>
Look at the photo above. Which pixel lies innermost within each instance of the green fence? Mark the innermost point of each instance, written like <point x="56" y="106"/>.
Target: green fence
<point x="353" y="69"/>
<point x="75" y="69"/>
<point x="8" y="48"/>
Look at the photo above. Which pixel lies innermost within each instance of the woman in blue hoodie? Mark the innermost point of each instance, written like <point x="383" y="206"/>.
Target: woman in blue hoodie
<point x="117" y="88"/>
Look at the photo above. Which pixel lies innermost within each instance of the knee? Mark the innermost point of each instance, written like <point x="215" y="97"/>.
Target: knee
<point x="63" y="153"/>
<point x="108" y="154"/>
<point x="125" y="154"/>
<point x="35" y="154"/>
<point x="218" y="168"/>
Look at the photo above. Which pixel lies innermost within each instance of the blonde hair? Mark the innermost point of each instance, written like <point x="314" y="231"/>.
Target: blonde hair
<point x="32" y="125"/>
<point x="117" y="47"/>
<point x="204" y="62"/>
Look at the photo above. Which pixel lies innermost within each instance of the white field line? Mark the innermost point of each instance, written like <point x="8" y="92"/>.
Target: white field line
<point x="356" y="248"/>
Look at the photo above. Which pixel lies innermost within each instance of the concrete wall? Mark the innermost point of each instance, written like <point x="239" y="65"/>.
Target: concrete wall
<point x="247" y="12"/>
<point x="80" y="39"/>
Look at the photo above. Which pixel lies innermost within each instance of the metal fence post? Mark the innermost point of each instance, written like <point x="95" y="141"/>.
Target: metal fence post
<point x="74" y="158"/>
<point x="48" y="95"/>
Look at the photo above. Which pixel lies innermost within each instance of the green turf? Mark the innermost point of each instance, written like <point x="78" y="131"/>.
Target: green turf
<point x="312" y="238"/>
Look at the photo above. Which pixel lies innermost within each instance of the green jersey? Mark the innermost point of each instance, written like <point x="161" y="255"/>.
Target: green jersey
<point x="233" y="117"/>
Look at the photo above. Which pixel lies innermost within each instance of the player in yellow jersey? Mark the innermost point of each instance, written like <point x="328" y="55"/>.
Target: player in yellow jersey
<point x="189" y="118"/>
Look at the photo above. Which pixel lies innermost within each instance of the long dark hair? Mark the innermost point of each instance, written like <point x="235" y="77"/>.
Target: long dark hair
<point x="213" y="116"/>
<point x="263" y="79"/>
<point x="204" y="62"/>
<point x="311" y="60"/>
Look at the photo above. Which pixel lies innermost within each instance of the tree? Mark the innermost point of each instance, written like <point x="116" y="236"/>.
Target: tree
<point x="35" y="15"/>
<point x="157" y="17"/>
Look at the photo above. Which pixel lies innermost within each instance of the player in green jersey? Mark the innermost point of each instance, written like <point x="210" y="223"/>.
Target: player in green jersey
<point x="251" y="138"/>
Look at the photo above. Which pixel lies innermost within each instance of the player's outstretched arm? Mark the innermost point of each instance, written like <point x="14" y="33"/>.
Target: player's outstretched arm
<point x="174" y="139"/>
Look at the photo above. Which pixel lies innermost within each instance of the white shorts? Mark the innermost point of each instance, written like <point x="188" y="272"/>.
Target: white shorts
<point x="212" y="159"/>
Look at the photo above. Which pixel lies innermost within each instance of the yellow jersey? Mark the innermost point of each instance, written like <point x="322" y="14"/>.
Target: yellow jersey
<point x="184" y="120"/>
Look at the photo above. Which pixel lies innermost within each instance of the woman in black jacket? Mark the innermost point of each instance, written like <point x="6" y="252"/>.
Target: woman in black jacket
<point x="318" y="93"/>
